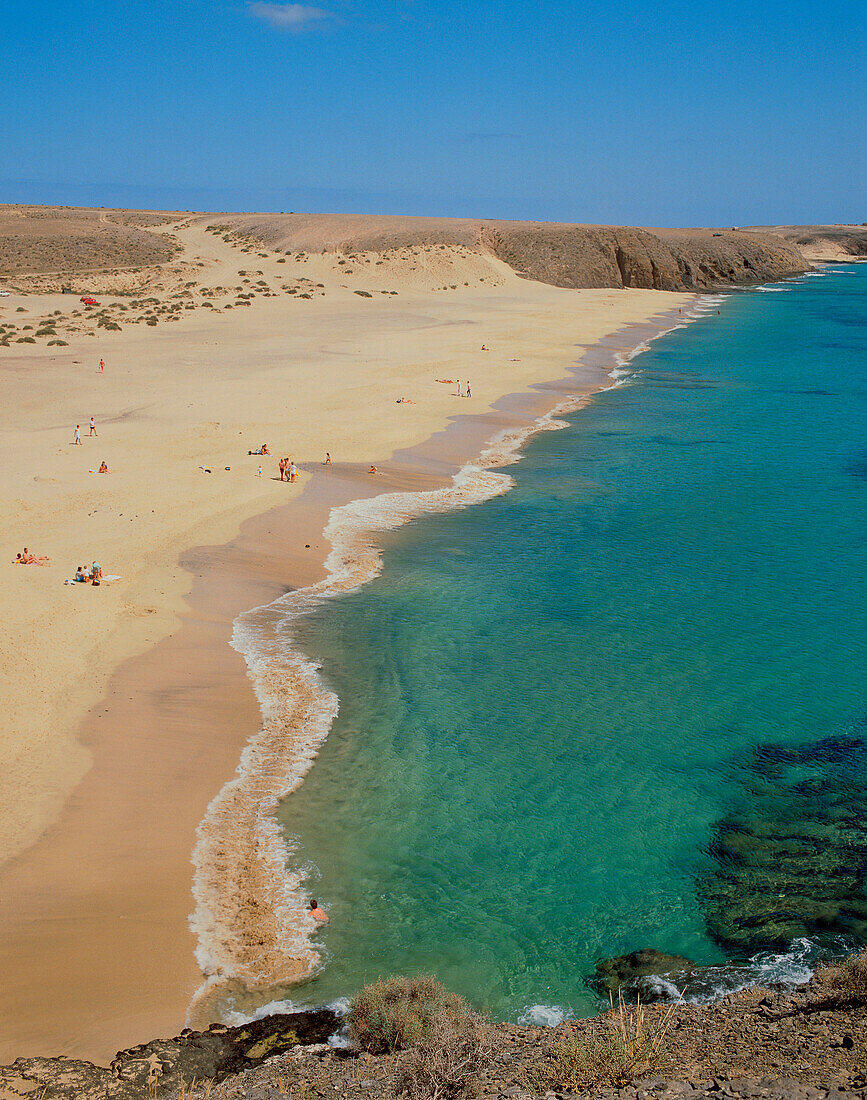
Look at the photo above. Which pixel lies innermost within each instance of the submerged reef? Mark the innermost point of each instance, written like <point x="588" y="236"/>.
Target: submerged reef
<point x="791" y="860"/>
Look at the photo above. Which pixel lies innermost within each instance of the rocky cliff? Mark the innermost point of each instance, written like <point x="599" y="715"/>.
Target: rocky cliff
<point x="840" y="243"/>
<point x="557" y="253"/>
<point x="607" y="256"/>
<point x="67" y="240"/>
<point x="795" y="1044"/>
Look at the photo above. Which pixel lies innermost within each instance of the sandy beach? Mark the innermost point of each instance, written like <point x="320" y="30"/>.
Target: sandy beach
<point x="125" y="709"/>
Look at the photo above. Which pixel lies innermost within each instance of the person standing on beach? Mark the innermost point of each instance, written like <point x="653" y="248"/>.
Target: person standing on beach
<point x="93" y="430"/>
<point x="101" y="365"/>
<point x="282" y="467"/>
<point x="327" y="458"/>
<point x="468" y="388"/>
<point x="293" y="471"/>
<point x="76" y="439"/>
<point x="460" y="391"/>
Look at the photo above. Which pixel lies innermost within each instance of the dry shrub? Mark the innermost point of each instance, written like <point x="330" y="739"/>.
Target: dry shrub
<point x="400" y="1012"/>
<point x="846" y="981"/>
<point x="632" y="1046"/>
<point x="447" y="1062"/>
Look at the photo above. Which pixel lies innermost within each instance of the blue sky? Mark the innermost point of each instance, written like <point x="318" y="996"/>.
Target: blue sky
<point x="665" y="113"/>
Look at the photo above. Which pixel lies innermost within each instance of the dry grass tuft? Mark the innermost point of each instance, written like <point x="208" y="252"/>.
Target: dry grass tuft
<point x="632" y="1047"/>
<point x="846" y="981"/>
<point x="447" y="1062"/>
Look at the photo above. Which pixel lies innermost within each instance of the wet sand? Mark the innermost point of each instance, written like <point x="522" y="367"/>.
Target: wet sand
<point x="96" y="948"/>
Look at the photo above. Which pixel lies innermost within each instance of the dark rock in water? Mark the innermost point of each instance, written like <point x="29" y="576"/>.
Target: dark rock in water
<point x="162" y="1067"/>
<point x="626" y="972"/>
<point x="791" y="859"/>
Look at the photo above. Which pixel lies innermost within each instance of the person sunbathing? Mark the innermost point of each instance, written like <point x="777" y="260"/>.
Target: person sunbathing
<point x="26" y="558"/>
<point x="103" y="469"/>
<point x="264" y="450"/>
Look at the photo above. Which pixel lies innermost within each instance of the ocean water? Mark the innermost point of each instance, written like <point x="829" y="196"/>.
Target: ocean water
<point x="623" y="704"/>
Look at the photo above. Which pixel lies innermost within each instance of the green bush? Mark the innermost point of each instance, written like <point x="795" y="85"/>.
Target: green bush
<point x="58" y="344"/>
<point x="398" y="1013"/>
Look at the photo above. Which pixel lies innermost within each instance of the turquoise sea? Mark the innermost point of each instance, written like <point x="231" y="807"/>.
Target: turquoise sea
<point x="622" y="705"/>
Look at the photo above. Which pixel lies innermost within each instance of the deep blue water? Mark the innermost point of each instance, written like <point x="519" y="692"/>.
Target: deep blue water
<point x="622" y="705"/>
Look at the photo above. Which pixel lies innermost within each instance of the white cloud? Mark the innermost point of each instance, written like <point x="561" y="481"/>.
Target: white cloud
<point x="289" y="17"/>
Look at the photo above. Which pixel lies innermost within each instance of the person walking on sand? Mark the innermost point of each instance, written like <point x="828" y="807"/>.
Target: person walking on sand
<point x="101" y="365"/>
<point x="460" y="391"/>
<point x="93" y="430"/>
<point x="468" y="388"/>
<point x="327" y="458"/>
<point x="76" y="439"/>
<point x="316" y="913"/>
<point x="259" y="473"/>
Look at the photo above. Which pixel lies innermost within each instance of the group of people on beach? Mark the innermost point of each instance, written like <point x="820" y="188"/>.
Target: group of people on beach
<point x="76" y="435"/>
<point x="457" y="382"/>
<point x="87" y="574"/>
<point x="26" y="558"/>
<point x="76" y="440"/>
<point x="288" y="469"/>
<point x="83" y="573"/>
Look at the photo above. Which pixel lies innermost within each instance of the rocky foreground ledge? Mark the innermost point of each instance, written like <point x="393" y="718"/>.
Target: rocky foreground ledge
<point x="793" y="1044"/>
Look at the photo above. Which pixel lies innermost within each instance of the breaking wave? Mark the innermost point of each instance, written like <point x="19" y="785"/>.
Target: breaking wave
<point x="250" y="919"/>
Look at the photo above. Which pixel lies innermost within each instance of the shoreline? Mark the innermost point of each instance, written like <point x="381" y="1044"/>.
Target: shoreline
<point x="82" y="940"/>
<point x="237" y="927"/>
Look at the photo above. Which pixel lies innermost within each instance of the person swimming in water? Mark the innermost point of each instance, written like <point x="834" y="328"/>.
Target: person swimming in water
<point x="316" y="913"/>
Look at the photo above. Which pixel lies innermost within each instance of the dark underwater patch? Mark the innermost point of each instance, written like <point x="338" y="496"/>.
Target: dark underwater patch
<point x="858" y="466"/>
<point x="791" y="859"/>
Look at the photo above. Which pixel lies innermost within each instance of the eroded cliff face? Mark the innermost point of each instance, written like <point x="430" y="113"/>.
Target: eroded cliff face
<point x="836" y="243"/>
<point x="609" y="256"/>
<point x="37" y="239"/>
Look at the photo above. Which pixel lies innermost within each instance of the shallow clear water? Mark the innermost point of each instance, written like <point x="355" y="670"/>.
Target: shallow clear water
<point x="560" y="706"/>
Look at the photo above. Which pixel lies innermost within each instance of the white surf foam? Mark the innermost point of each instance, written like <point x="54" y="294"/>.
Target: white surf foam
<point x="250" y="919"/>
<point x="543" y="1015"/>
<point x="788" y="968"/>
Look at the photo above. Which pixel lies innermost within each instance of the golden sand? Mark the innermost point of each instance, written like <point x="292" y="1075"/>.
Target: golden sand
<point x="107" y="763"/>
